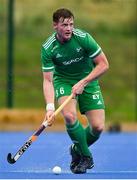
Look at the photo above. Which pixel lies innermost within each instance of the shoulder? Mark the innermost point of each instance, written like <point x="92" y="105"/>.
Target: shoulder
<point x="79" y="33"/>
<point x="49" y="42"/>
<point x="83" y="37"/>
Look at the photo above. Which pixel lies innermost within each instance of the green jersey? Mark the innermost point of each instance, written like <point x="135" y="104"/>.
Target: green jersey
<point x="72" y="60"/>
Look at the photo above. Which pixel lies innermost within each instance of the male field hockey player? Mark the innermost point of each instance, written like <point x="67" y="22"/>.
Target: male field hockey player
<point x="72" y="62"/>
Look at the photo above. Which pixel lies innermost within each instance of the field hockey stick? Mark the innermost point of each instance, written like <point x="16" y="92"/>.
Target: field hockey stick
<point x="12" y="159"/>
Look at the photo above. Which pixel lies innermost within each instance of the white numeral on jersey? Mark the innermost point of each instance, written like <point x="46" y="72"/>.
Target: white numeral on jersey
<point x="61" y="90"/>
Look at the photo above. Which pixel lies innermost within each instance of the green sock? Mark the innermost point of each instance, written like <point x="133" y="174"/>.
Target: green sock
<point x="78" y="136"/>
<point x="91" y="135"/>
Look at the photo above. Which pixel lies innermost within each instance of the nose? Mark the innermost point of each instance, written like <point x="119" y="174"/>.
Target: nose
<point x="69" y="28"/>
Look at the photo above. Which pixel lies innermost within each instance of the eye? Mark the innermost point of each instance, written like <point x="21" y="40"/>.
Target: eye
<point x="71" y="24"/>
<point x="65" y="25"/>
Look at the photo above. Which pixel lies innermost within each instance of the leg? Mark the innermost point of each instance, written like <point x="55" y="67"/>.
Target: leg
<point x="96" y="120"/>
<point x="77" y="135"/>
<point x="92" y="105"/>
<point x="74" y="127"/>
<point x="96" y="125"/>
<point x="69" y="111"/>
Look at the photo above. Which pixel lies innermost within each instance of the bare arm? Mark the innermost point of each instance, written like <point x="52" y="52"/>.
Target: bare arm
<point x="48" y="88"/>
<point x="102" y="66"/>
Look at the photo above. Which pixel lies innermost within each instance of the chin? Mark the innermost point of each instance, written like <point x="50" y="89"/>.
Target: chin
<point x="67" y="38"/>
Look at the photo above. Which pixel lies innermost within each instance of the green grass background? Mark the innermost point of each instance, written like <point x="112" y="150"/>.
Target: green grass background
<point x="111" y="22"/>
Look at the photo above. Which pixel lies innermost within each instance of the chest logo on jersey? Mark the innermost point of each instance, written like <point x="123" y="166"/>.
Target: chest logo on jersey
<point x="72" y="61"/>
<point x="78" y="49"/>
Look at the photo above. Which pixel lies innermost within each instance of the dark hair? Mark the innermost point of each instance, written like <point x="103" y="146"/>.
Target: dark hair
<point x="62" y="13"/>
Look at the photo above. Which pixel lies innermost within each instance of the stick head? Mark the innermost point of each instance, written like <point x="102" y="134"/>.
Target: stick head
<point x="10" y="159"/>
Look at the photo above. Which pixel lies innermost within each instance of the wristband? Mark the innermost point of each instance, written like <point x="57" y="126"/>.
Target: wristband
<point x="50" y="107"/>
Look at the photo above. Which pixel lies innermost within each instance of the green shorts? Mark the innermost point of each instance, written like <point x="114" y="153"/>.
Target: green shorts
<point x="90" y="99"/>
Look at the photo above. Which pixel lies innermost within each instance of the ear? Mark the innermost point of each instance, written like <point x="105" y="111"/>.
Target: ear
<point x="55" y="25"/>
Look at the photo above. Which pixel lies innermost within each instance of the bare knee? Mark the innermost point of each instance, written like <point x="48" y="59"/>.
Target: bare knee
<point x="98" y="127"/>
<point x="96" y="119"/>
<point x="70" y="117"/>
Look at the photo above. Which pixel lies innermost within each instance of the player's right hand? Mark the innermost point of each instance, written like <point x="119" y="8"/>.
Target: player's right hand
<point x="49" y="117"/>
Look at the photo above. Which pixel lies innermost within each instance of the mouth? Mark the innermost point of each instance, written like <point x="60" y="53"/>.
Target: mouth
<point x="68" y="34"/>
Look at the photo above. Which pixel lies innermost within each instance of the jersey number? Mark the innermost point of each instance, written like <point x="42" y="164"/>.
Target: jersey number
<point x="60" y="91"/>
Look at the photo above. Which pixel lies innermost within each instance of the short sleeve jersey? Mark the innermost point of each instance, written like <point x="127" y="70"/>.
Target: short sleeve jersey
<point x="72" y="59"/>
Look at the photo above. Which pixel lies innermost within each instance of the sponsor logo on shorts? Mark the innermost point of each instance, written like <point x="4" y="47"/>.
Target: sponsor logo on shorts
<point x="95" y="96"/>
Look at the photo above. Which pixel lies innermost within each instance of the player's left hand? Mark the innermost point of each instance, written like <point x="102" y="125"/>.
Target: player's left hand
<point x="78" y="88"/>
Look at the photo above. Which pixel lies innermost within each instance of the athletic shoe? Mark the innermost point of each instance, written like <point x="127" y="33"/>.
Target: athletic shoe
<point x="75" y="158"/>
<point x="85" y="163"/>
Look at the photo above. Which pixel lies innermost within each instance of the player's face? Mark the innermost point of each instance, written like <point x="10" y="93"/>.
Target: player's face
<point x="64" y="29"/>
